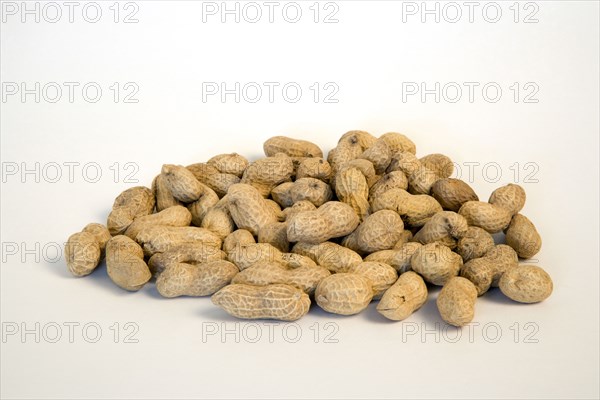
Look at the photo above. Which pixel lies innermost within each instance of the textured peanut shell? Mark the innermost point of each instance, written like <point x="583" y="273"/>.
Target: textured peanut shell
<point x="232" y="163"/>
<point x="182" y="184"/>
<point x="364" y="166"/>
<point x="298" y="207"/>
<point x="399" y="259"/>
<point x="440" y="164"/>
<point x="452" y="193"/>
<point x="379" y="231"/>
<point x="317" y="168"/>
<point x="405" y="237"/>
<point x="100" y="232"/>
<point x="305" y="278"/>
<point x="246" y="255"/>
<point x="333" y="219"/>
<point x="488" y="216"/>
<point x="379" y="154"/>
<point x="420" y="178"/>
<point x="279" y="301"/>
<point x="310" y="189"/>
<point x="480" y="271"/>
<point x="381" y="275"/>
<point x="134" y="202"/>
<point x="456" y="301"/>
<point x="475" y="243"/>
<point x="502" y="257"/>
<point x="199" y="208"/>
<point x="172" y="216"/>
<point x="158" y="239"/>
<point x="342" y="154"/>
<point x="404" y="297"/>
<point x="181" y="279"/>
<point x="392" y="180"/>
<point x="239" y="237"/>
<point x="266" y="173"/>
<point x="218" y="219"/>
<point x="351" y="188"/>
<point x="190" y="253"/>
<point x="526" y="284"/>
<point x="162" y="194"/>
<point x="344" y="293"/>
<point x="276" y="235"/>
<point x="248" y="208"/>
<point x="330" y="255"/>
<point x="281" y="194"/>
<point x="82" y="253"/>
<point x="436" y="263"/>
<point x="510" y="197"/>
<point x="291" y="147"/>
<point x="415" y="210"/>
<point x="445" y="227"/>
<point x="522" y="236"/>
<point x="125" y="263"/>
<point x="211" y="177"/>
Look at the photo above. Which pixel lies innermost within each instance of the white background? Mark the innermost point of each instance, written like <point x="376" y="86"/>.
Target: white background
<point x="367" y="54"/>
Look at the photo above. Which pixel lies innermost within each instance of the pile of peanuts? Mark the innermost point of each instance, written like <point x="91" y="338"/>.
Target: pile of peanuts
<point x="266" y="238"/>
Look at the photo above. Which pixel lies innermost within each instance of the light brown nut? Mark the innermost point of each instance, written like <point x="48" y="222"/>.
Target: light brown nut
<point x="82" y="253"/>
<point x="190" y="253"/>
<point x="379" y="231"/>
<point x="299" y="206"/>
<point x="218" y="219"/>
<point x="239" y="237"/>
<point x="510" y="197"/>
<point x="399" y="258"/>
<point x="333" y="219"/>
<point x="211" y="177"/>
<point x="100" y="232"/>
<point x="415" y="210"/>
<point x="392" y="180"/>
<point x="379" y="154"/>
<point x="351" y="188"/>
<point x="502" y="257"/>
<point x="456" y="301"/>
<point x="232" y="163"/>
<point x="276" y="235"/>
<point x="281" y="194"/>
<point x="172" y="216"/>
<point x="276" y="209"/>
<point x="364" y="166"/>
<point x="125" y="263"/>
<point x="522" y="236"/>
<point x="436" y="263"/>
<point x="182" y="184"/>
<point x="526" y="284"/>
<point x="440" y="164"/>
<point x="280" y="302"/>
<point x="475" y="243"/>
<point x="445" y="227"/>
<point x="452" y="193"/>
<point x="344" y="293"/>
<point x="362" y="138"/>
<point x="342" y="154"/>
<point x="266" y="273"/>
<point x="181" y="279"/>
<point x="310" y="189"/>
<point x="246" y="255"/>
<point x="405" y="297"/>
<point x="317" y="168"/>
<point x="420" y="178"/>
<point x="480" y="271"/>
<point x="131" y="203"/>
<point x="208" y="198"/>
<point x="265" y="174"/>
<point x="248" y="208"/>
<point x="405" y="237"/>
<point x="398" y="142"/>
<point x="381" y="275"/>
<point x="490" y="217"/>
<point x="291" y="147"/>
<point x="158" y="239"/>
<point x="329" y="255"/>
<point x="162" y="194"/>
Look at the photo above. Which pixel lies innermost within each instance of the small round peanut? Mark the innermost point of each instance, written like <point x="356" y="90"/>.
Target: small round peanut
<point x="381" y="275"/>
<point x="392" y="180"/>
<point x="344" y="293"/>
<point x="125" y="263"/>
<point x="510" y="197"/>
<point x="445" y="227"/>
<point x="436" y="263"/>
<point x="82" y="253"/>
<point x="474" y="243"/>
<point x="239" y="237"/>
<point x="218" y="219"/>
<point x="379" y="231"/>
<point x="480" y="271"/>
<point x="522" y="236"/>
<point x="404" y="297"/>
<point x="317" y="168"/>
<point x="232" y="163"/>
<point x="526" y="284"/>
<point x="456" y="301"/>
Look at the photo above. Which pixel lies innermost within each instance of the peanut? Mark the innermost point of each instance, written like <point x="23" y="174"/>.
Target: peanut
<point x="510" y="197"/>
<point x="436" y="263"/>
<point x="84" y="249"/>
<point x="474" y="243"/>
<point x="452" y="193"/>
<point x="333" y="219"/>
<point x="182" y="184"/>
<point x="392" y="180"/>
<point x="480" y="271"/>
<point x="131" y="203"/>
<point x="248" y="208"/>
<point x="344" y="293"/>
<point x="404" y="297"/>
<point x="125" y="263"/>
<point x="190" y="253"/>
<point x="266" y="173"/>
<point x="502" y="257"/>
<point x="291" y="147"/>
<point x="488" y="216"/>
<point x="172" y="216"/>
<point x="181" y="279"/>
<point x="280" y="302"/>
<point x="522" y="236"/>
<point x="381" y="275"/>
<point x="445" y="227"/>
<point x="164" y="198"/>
<point x="379" y="231"/>
<point x="239" y="237"/>
<point x="213" y="178"/>
<point x="351" y="188"/>
<point x="232" y="164"/>
<point x="399" y="258"/>
<point x="330" y="255"/>
<point x="158" y="239"/>
<point x="317" y="168"/>
<point x="456" y="301"/>
<point x="526" y="284"/>
<point x="415" y="210"/>
<point x="218" y="219"/>
<point x="199" y="208"/>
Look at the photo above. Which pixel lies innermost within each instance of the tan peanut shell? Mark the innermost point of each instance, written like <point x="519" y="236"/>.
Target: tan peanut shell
<point x="276" y="235"/>
<point x="364" y="166"/>
<point x="488" y="216"/>
<point x="436" y="263"/>
<point x="248" y="208"/>
<point x="415" y="210"/>
<point x="344" y="293"/>
<point x="474" y="243"/>
<point x="399" y="258"/>
<point x="279" y="301"/>
<point x="452" y="193"/>
<point x="456" y="301"/>
<point x="480" y="271"/>
<point x="190" y="253"/>
<point x="381" y="275"/>
<point x="522" y="236"/>
<point x="182" y="184"/>
<point x="526" y="284"/>
<point x="317" y="168"/>
<point x="232" y="163"/>
<point x="379" y="231"/>
<point x="298" y="207"/>
<point x="310" y="189"/>
<point x="510" y="197"/>
<point x="404" y="297"/>
<point x="172" y="216"/>
<point x="445" y="227"/>
<point x="266" y="173"/>
<point x="380" y="154"/>
<point x="100" y="232"/>
<point x="158" y="239"/>
<point x="502" y="257"/>
<point x="351" y="188"/>
<point x="213" y="178"/>
<point x="239" y="237"/>
<point x="162" y="194"/>
<point x="82" y="253"/>
<point x="199" y="208"/>
<point x="182" y="279"/>
<point x="333" y="219"/>
<point x="391" y="180"/>
<point x="330" y="255"/>
<point x="125" y="263"/>
<point x="291" y="147"/>
<point x="134" y="202"/>
<point x="405" y="237"/>
<point x="218" y="219"/>
<point x="440" y="164"/>
<point x="266" y="273"/>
